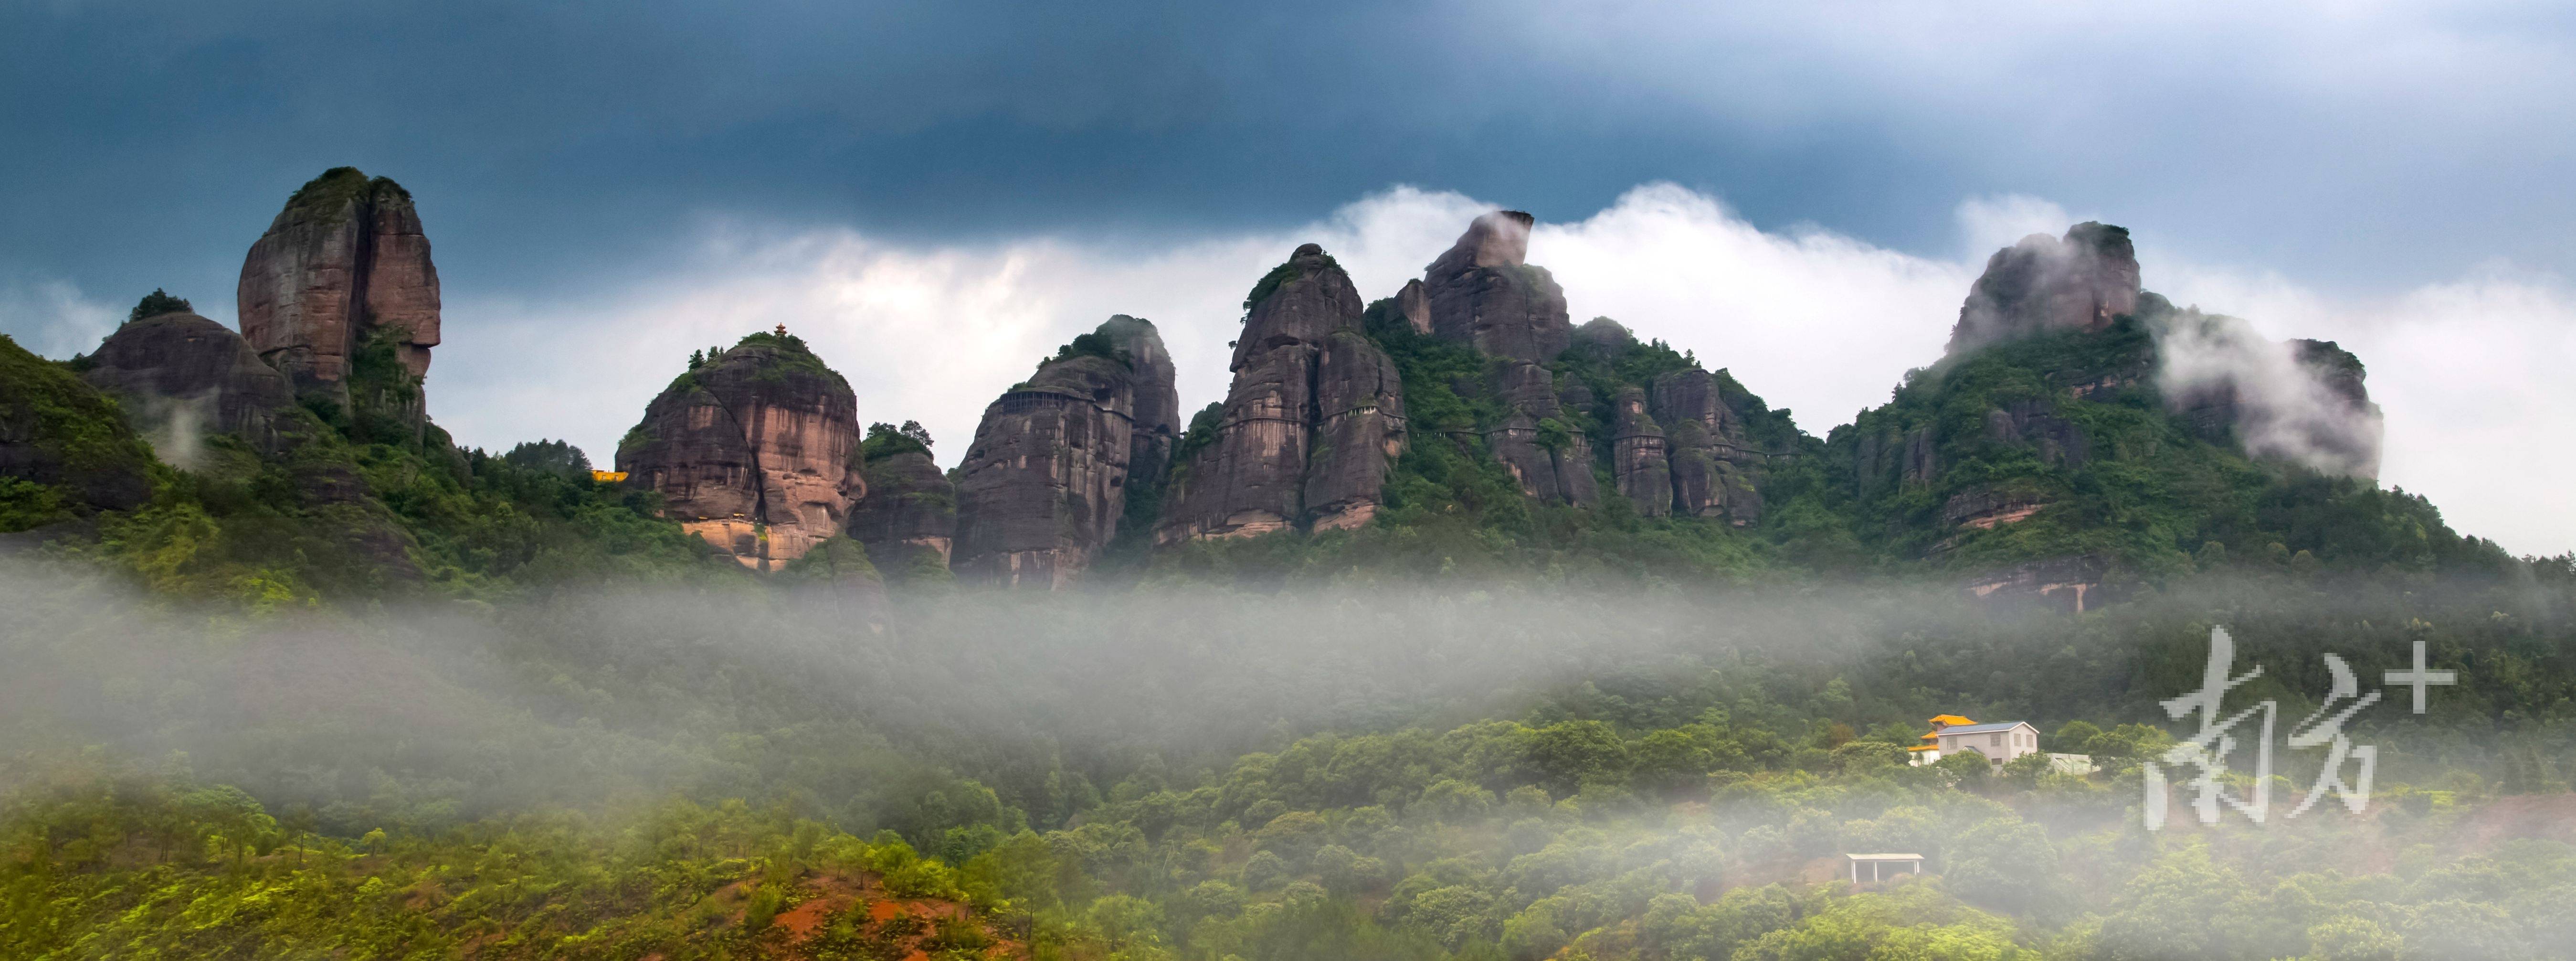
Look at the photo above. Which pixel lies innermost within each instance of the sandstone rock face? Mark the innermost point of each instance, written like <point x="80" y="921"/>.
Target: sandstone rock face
<point x="2077" y="282"/>
<point x="345" y="264"/>
<point x="1158" y="402"/>
<point x="1483" y="292"/>
<point x="1551" y="462"/>
<point x="1358" y="433"/>
<point x="180" y="376"/>
<point x="1640" y="462"/>
<point x="1314" y="413"/>
<point x="1045" y="485"/>
<point x="752" y="451"/>
<point x="909" y="515"/>
<point x="1415" y="306"/>
<point x="1714" y="467"/>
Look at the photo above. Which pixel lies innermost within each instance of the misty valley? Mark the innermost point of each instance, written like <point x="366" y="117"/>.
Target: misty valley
<point x="1455" y="630"/>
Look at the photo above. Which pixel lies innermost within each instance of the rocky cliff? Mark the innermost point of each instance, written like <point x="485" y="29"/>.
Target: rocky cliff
<point x="344" y="275"/>
<point x="1683" y="441"/>
<point x="1714" y="466"/>
<point x="1315" y="411"/>
<point x="1640" y="458"/>
<point x="180" y="377"/>
<point x="2076" y="282"/>
<point x="1158" y="402"/>
<point x="754" y="451"/>
<point x="1358" y="434"/>
<point x="908" y="519"/>
<point x="1045" y="485"/>
<point x="1551" y="461"/>
<point x="1484" y="292"/>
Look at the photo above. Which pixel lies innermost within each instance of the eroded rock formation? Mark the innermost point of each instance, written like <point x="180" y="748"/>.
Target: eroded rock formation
<point x="1640" y="461"/>
<point x="2076" y="282"/>
<point x="1313" y="415"/>
<point x="1359" y="431"/>
<point x="752" y="451"/>
<point x="1044" y="487"/>
<point x="1714" y="466"/>
<point x="344" y="275"/>
<point x="1551" y="461"/>
<point x="180" y="377"/>
<point x="1158" y="401"/>
<point x="908" y="518"/>
<point x="1484" y="292"/>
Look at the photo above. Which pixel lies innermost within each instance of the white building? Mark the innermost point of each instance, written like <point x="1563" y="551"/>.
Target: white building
<point x="2000" y="742"/>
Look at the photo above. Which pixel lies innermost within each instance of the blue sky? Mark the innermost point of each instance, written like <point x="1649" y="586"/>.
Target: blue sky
<point x="605" y="177"/>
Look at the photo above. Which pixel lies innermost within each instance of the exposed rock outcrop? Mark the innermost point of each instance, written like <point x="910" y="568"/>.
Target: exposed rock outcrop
<point x="1359" y="431"/>
<point x="1158" y="400"/>
<point x="1314" y="413"/>
<point x="1714" y="467"/>
<point x="1045" y="485"/>
<point x="180" y="377"/>
<point x="345" y="267"/>
<point x="1551" y="461"/>
<point x="1640" y="461"/>
<point x="908" y="519"/>
<point x="1484" y="292"/>
<point x="1414" y="306"/>
<point x="2076" y="282"/>
<point x="752" y="451"/>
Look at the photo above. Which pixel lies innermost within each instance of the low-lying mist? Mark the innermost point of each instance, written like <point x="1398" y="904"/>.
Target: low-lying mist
<point x="613" y="697"/>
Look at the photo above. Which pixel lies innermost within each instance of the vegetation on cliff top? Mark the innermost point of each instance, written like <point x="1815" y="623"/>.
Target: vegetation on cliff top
<point x="156" y="303"/>
<point x="324" y="198"/>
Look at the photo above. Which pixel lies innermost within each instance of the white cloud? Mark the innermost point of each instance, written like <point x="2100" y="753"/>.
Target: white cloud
<point x="56" y="318"/>
<point x="2470" y="373"/>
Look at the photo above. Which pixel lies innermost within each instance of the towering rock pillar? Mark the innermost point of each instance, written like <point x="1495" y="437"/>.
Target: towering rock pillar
<point x="1158" y="401"/>
<point x="1044" y="487"/>
<point x="1359" y="431"/>
<point x="1639" y="459"/>
<point x="341" y="288"/>
<point x="1314" y="412"/>
<point x="755" y="451"/>
<point x="1484" y="292"/>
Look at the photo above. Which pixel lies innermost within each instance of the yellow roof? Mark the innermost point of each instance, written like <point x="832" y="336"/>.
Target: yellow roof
<point x="1923" y="747"/>
<point x="1950" y="719"/>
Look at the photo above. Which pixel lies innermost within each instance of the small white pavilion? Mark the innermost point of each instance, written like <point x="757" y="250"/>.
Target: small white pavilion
<point x="1883" y="866"/>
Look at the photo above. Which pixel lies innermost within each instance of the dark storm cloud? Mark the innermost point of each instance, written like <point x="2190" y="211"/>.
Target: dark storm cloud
<point x="153" y="140"/>
<point x="149" y="141"/>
